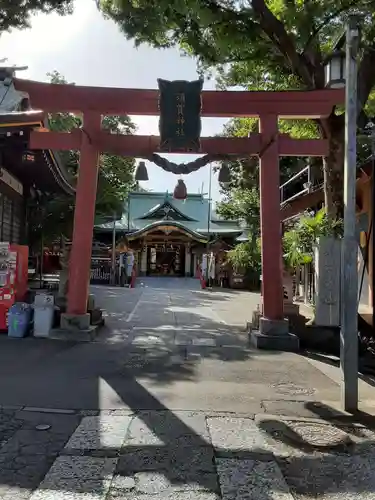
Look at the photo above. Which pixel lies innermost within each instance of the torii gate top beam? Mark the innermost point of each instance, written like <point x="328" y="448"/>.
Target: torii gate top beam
<point x="227" y="104"/>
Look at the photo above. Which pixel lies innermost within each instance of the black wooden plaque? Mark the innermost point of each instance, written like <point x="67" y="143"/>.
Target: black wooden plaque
<point x="180" y="125"/>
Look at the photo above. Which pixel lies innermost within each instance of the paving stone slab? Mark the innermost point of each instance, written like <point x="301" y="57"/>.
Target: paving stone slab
<point x="313" y="409"/>
<point x="179" y="460"/>
<point x="68" y="495"/>
<point x="83" y="478"/>
<point x="251" y="480"/>
<point x="176" y="495"/>
<point x="157" y="428"/>
<point x="27" y="456"/>
<point x="80" y="468"/>
<point x="163" y="482"/>
<point x="14" y="493"/>
<point x="267" y="436"/>
<point x="209" y="342"/>
<point x="149" y="340"/>
<point x="117" y="412"/>
<point x="8" y="426"/>
<point x="100" y="433"/>
<point x="330" y="477"/>
<point x="363" y="439"/>
<point x="238" y="435"/>
<point x="59" y="423"/>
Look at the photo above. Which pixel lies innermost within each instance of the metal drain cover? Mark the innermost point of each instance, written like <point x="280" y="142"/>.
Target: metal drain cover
<point x="318" y="435"/>
<point x="42" y="427"/>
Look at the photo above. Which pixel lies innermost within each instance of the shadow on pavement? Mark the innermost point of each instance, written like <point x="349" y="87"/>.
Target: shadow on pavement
<point x="163" y="448"/>
<point x="334" y="361"/>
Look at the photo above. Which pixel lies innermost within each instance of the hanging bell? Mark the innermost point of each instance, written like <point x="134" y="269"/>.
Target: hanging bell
<point x="224" y="174"/>
<point x="141" y="172"/>
<point x="180" y="191"/>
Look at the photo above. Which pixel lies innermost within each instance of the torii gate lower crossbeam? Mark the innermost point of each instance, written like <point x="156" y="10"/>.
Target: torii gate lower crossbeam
<point x="269" y="145"/>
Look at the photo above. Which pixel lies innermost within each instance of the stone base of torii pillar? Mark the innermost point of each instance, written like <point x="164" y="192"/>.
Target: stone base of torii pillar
<point x="274" y="335"/>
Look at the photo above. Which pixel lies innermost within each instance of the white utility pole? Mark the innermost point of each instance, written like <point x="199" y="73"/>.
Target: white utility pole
<point x="349" y="260"/>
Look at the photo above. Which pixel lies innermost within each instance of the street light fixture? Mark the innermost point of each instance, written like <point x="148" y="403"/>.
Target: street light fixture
<point x="341" y="70"/>
<point x="141" y="173"/>
<point x="334" y="70"/>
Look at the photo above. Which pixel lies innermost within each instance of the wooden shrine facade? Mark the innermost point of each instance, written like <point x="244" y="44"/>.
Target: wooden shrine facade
<point x="169" y="236"/>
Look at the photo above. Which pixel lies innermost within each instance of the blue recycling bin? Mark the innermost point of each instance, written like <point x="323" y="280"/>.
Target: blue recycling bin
<point x="19" y="318"/>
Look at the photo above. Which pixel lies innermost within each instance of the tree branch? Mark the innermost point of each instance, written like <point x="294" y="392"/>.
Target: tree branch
<point x="327" y="20"/>
<point x="276" y="32"/>
<point x="366" y="76"/>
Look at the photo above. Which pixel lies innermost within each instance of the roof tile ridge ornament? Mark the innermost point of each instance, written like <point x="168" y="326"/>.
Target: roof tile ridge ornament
<point x="11" y="100"/>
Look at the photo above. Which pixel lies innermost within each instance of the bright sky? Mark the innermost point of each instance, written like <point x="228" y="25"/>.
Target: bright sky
<point x="89" y="50"/>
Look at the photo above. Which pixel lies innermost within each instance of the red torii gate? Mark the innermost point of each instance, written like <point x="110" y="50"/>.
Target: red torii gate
<point x="94" y="102"/>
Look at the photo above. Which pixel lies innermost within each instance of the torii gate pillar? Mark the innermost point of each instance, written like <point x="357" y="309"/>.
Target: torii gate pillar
<point x="77" y="316"/>
<point x="273" y="328"/>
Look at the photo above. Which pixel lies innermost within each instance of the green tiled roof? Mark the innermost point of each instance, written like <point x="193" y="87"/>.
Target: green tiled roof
<point x="148" y="208"/>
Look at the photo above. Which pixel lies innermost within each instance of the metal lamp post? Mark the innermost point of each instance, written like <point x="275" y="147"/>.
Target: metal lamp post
<point x="349" y="272"/>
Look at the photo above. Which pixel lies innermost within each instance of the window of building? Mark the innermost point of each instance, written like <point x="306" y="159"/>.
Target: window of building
<point x="10" y="219"/>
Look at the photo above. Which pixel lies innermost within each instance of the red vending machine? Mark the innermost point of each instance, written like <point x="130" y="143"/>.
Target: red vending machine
<point x="13" y="278"/>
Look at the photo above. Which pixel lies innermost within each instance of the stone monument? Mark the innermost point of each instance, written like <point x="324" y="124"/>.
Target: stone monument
<point x="327" y="257"/>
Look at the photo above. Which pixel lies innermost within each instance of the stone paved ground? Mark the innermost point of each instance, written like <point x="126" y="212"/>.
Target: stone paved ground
<point x="149" y="455"/>
<point x="170" y="403"/>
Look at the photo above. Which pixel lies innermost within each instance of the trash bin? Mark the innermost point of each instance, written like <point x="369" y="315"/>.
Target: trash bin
<point x="44" y="311"/>
<point x="19" y="318"/>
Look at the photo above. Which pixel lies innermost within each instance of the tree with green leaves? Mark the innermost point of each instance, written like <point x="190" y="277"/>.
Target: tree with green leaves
<point x="242" y="204"/>
<point x="299" y="241"/>
<point x="259" y="45"/>
<point x="16" y="14"/>
<point x="55" y="213"/>
<point x="241" y="196"/>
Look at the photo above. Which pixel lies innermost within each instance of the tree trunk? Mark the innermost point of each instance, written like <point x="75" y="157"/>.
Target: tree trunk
<point x="333" y="166"/>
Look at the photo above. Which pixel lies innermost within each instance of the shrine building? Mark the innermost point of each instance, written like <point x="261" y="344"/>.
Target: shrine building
<point x="169" y="236"/>
<point x="25" y="175"/>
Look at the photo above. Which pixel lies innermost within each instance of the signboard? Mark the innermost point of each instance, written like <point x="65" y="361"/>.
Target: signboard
<point x="180" y="106"/>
